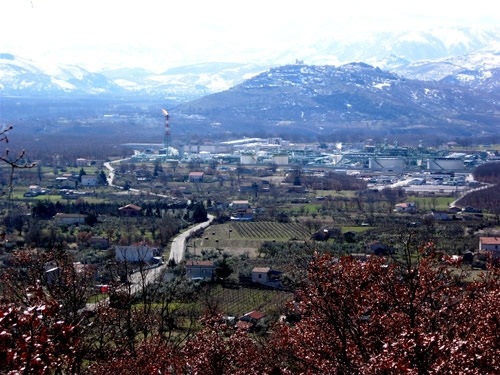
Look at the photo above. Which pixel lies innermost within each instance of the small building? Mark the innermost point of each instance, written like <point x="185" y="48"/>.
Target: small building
<point x="240" y="210"/>
<point x="82" y="162"/>
<point x="260" y="274"/>
<point x="248" y="321"/>
<point x="239" y="205"/>
<point x="200" y="269"/>
<point x="409" y="207"/>
<point x="69" y="219"/>
<point x="491" y="244"/>
<point x="89" y="180"/>
<point x="266" y="276"/>
<point x="135" y="253"/>
<point x="196" y="176"/>
<point x="129" y="210"/>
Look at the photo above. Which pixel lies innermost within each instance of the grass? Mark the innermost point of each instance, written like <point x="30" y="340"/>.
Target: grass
<point x="438" y="203"/>
<point x="97" y="298"/>
<point x="356" y="229"/>
<point x="312" y="208"/>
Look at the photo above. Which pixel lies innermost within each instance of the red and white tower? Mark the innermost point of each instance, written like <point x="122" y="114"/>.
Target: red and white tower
<point x="166" y="136"/>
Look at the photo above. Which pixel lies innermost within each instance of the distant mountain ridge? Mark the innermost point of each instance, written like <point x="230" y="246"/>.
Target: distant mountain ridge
<point x="413" y="83"/>
<point x="424" y="55"/>
<point x="21" y="77"/>
<point x="351" y="98"/>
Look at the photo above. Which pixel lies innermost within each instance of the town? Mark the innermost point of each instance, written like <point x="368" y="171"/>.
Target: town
<point x="172" y="233"/>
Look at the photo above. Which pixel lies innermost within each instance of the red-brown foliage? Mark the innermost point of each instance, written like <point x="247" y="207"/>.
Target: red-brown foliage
<point x="34" y="339"/>
<point x="368" y="318"/>
<point x="350" y="317"/>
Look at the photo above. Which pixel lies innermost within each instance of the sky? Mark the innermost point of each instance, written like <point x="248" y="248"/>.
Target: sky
<point x="160" y="34"/>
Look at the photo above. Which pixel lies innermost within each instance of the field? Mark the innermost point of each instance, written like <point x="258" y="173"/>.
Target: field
<point x="246" y="237"/>
<point x="268" y="230"/>
<point x="437" y="203"/>
<point x="236" y="302"/>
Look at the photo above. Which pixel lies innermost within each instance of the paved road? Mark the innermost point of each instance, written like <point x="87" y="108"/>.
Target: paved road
<point x="179" y="243"/>
<point x="111" y="173"/>
<point x="138" y="280"/>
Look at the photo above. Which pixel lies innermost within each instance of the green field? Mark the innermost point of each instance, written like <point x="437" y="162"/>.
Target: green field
<point x="437" y="203"/>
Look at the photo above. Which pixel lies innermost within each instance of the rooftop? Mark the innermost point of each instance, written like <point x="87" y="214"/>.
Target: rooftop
<point x="489" y="240"/>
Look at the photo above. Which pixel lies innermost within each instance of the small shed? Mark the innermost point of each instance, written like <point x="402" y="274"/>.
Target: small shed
<point x="196" y="176"/>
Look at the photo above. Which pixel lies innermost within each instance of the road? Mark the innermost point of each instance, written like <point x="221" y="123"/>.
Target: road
<point x="178" y="246"/>
<point x="138" y="280"/>
<point x="179" y="243"/>
<point x="177" y="249"/>
<point x="111" y="173"/>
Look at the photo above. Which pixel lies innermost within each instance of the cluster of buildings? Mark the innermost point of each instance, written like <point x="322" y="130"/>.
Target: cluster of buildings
<point x="367" y="155"/>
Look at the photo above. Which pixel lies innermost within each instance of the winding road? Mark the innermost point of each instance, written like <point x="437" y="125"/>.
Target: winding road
<point x="178" y="246"/>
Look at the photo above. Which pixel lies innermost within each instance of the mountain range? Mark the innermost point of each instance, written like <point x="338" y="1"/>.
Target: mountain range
<point x="445" y="80"/>
<point x="353" y="99"/>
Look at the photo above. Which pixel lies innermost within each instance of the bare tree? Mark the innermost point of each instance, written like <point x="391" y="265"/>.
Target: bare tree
<point x="17" y="162"/>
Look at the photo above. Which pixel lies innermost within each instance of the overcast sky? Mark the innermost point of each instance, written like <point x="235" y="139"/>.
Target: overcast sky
<point x="162" y="34"/>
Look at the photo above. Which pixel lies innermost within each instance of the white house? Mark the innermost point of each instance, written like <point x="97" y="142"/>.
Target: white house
<point x="266" y="276"/>
<point x="135" y="253"/>
<point x="260" y="275"/>
<point x="239" y="205"/>
<point x="204" y="269"/>
<point x="88" y="180"/>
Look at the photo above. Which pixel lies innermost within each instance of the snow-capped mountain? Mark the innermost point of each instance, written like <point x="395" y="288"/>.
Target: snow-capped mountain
<point x="349" y="100"/>
<point x="434" y="70"/>
<point x="429" y="55"/>
<point x="21" y="77"/>
<point x="424" y="55"/>
<point x="187" y="82"/>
